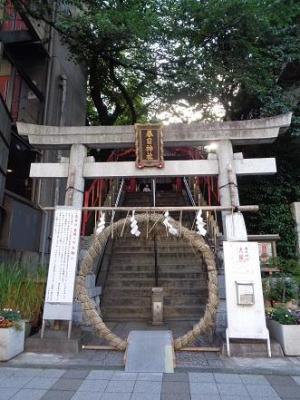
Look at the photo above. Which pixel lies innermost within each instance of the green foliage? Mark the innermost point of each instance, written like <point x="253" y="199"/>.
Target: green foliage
<point x="280" y="288"/>
<point x="283" y="316"/>
<point x="161" y="52"/>
<point x="10" y="318"/>
<point x="21" y="290"/>
<point x="289" y="267"/>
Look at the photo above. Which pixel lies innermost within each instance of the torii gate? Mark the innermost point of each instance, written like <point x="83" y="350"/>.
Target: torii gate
<point x="224" y="134"/>
<point x="226" y="165"/>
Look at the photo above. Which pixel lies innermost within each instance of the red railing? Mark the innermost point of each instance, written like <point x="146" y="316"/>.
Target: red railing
<point x="13" y="21"/>
<point x="93" y="197"/>
<point x="208" y="184"/>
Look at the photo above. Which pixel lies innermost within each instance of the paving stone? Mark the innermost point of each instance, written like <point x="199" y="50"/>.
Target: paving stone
<point x="58" y="395"/>
<point x="52" y="373"/>
<point x="203" y="388"/>
<point x="190" y="359"/>
<point x="285" y="391"/>
<point x="229" y="397"/>
<point x="100" y="374"/>
<point x="114" y="359"/>
<point x="7" y="371"/>
<point x="176" y="377"/>
<point x="115" y="396"/>
<point x="296" y="379"/>
<point x="215" y="363"/>
<point x="175" y="396"/>
<point x="41" y="383"/>
<point x="147" y="387"/>
<point x="150" y="376"/>
<point x="227" y="378"/>
<point x="279" y="380"/>
<point x="261" y="392"/>
<point x="211" y="355"/>
<point x="93" y="386"/>
<point x="145" y="396"/>
<point x="254" y="379"/>
<point x="120" y="387"/>
<point x="29" y="394"/>
<point x="175" y="387"/>
<point x="7" y="393"/>
<point x="86" y="396"/>
<point x="124" y="376"/>
<point x="198" y="396"/>
<point x="30" y="372"/>
<point x="76" y="374"/>
<point x="201" y="377"/>
<point x="67" y="384"/>
<point x="236" y="389"/>
<point x="15" y="382"/>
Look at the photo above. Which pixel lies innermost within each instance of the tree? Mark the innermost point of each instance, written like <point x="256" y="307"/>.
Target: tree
<point x="157" y="53"/>
<point x="145" y="55"/>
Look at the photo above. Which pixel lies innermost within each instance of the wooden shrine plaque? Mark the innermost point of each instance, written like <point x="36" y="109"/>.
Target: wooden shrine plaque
<point x="149" y="146"/>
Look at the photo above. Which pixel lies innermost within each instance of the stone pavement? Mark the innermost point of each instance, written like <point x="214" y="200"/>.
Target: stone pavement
<point x="94" y="384"/>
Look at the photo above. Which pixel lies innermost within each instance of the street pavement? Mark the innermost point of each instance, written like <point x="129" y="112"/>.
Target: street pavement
<point x="32" y="376"/>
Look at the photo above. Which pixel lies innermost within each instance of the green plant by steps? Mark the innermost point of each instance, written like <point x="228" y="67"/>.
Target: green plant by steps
<point x="10" y="318"/>
<point x="22" y="289"/>
<point x="280" y="288"/>
<point x="284" y="316"/>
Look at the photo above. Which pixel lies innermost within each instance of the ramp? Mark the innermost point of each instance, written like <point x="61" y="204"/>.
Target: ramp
<point x="150" y="351"/>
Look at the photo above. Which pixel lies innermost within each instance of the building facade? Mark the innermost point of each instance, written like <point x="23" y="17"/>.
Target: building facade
<point x="38" y="84"/>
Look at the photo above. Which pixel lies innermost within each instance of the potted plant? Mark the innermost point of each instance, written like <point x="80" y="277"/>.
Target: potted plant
<point x="12" y="334"/>
<point x="22" y="288"/>
<point x="284" y="326"/>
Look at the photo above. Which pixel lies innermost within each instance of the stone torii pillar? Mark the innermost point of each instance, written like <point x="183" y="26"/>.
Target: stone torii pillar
<point x="75" y="183"/>
<point x="227" y="181"/>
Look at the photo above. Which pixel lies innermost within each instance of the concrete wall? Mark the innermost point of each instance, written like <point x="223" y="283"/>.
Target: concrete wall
<point x="73" y="106"/>
<point x="21" y="227"/>
<point x="5" y="124"/>
<point x="66" y="107"/>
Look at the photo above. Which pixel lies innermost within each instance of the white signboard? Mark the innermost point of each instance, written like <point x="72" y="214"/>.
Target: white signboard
<point x="244" y="295"/>
<point x="63" y="256"/>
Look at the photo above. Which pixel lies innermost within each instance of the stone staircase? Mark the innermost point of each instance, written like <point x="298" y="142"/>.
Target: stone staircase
<point x="131" y="274"/>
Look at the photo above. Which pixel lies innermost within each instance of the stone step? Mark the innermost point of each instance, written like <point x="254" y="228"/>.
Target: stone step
<point x="127" y="244"/>
<point x="161" y="269"/>
<point x="147" y="292"/>
<point x="162" y="263"/>
<point x="129" y="283"/>
<point x="189" y="312"/>
<point x="178" y="275"/>
<point x="182" y="283"/>
<point x="128" y="301"/>
<point x="183" y="300"/>
<point x="149" y="283"/>
<point x="126" y="311"/>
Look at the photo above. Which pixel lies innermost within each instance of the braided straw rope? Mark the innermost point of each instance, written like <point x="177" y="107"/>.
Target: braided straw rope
<point x="88" y="264"/>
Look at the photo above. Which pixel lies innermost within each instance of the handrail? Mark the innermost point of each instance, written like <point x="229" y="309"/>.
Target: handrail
<point x="118" y="199"/>
<point x="154" y="192"/>
<point x="189" y="192"/>
<point x="249" y="208"/>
